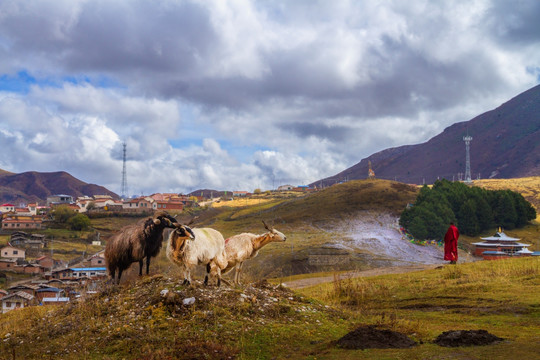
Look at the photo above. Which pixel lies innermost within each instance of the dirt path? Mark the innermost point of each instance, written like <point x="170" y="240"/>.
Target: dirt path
<point x="301" y="283"/>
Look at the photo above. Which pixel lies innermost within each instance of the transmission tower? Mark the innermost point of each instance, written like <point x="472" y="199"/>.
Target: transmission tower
<point x="467" y="140"/>
<point x="124" y="178"/>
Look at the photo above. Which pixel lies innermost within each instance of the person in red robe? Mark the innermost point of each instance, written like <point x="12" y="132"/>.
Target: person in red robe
<point x="450" y="244"/>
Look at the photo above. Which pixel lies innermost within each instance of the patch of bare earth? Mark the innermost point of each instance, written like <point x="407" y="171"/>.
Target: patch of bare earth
<point x="369" y="337"/>
<point x="455" y="338"/>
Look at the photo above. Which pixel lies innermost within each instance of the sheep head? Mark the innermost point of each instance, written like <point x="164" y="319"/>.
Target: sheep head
<point x="166" y="219"/>
<point x="274" y="234"/>
<point x="178" y="238"/>
<point x="183" y="231"/>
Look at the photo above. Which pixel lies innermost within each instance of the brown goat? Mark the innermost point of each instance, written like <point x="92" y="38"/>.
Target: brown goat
<point x="136" y="242"/>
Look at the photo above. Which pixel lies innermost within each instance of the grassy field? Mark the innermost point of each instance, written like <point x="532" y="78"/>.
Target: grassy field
<point x="147" y="319"/>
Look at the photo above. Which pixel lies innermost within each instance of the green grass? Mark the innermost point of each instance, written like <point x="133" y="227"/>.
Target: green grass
<point x="501" y="297"/>
<point x="135" y="321"/>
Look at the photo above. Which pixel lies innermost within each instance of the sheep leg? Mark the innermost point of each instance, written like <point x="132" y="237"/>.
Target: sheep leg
<point x="187" y="276"/>
<point x="218" y="276"/>
<point x="113" y="273"/>
<point x="140" y="267"/>
<point x="238" y="270"/>
<point x="147" y="264"/>
<point x="119" y="275"/>
<point x="208" y="268"/>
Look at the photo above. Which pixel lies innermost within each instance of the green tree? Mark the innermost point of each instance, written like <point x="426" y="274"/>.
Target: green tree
<point x="62" y="213"/>
<point x="418" y="229"/>
<point x="79" y="222"/>
<point x="506" y="215"/>
<point x="468" y="222"/>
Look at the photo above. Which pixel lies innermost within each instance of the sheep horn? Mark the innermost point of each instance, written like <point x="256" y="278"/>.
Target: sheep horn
<point x="266" y="226"/>
<point x="157" y="221"/>
<point x="192" y="220"/>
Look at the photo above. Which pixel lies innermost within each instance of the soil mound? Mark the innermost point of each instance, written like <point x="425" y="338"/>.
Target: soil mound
<point x="454" y="338"/>
<point x="369" y="337"/>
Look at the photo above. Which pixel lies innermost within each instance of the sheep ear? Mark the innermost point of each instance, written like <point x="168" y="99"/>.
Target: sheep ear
<point x="157" y="221"/>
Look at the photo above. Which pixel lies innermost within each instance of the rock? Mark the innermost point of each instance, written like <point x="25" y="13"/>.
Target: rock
<point x="188" y="301"/>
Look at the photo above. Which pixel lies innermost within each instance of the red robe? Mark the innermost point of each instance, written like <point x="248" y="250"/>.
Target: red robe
<point x="450" y="243"/>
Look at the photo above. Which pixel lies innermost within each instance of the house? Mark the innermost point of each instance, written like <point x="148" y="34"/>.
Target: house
<point x="45" y="261"/>
<point x="3" y="293"/>
<point x="8" y="264"/>
<point x="285" y="188"/>
<point x="140" y="204"/>
<point x="48" y="292"/>
<point x="33" y="208"/>
<point x="79" y="273"/>
<point x="16" y="222"/>
<point x="97" y="260"/>
<point x="32" y="269"/>
<point x="11" y="252"/>
<point x="59" y="199"/>
<point x="4" y="208"/>
<point x="27" y="288"/>
<point x="168" y="205"/>
<point x="17" y="300"/>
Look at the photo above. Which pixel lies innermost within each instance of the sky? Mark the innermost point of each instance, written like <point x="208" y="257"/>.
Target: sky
<point x="247" y="94"/>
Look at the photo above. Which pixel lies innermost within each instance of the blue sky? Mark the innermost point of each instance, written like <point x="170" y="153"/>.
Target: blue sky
<point x="238" y="95"/>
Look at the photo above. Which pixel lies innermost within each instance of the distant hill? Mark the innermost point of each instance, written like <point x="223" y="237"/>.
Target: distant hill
<point x="35" y="186"/>
<point x="506" y="144"/>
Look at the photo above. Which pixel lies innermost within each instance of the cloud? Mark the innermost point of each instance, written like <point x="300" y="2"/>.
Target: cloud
<point x="231" y="94"/>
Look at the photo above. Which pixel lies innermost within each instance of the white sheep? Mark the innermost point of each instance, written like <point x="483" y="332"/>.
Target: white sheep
<point x="245" y="246"/>
<point x="206" y="247"/>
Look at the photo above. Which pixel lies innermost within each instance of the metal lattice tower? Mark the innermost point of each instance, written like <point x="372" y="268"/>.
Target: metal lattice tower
<point x="124" y="178"/>
<point x="467" y="140"/>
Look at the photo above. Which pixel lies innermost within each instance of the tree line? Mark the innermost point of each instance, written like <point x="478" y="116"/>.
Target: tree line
<point x="471" y="208"/>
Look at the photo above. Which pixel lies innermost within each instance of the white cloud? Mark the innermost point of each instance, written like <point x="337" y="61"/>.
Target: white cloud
<point x="235" y="94"/>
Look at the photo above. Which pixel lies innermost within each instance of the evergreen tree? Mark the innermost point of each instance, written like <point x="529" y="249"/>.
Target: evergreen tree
<point x="506" y="215"/>
<point x="468" y="222"/>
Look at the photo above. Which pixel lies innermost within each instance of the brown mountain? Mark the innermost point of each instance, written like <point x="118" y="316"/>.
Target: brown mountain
<point x="35" y="186"/>
<point x="506" y="144"/>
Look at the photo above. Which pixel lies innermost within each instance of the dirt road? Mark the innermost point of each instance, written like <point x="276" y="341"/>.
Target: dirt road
<point x="301" y="283"/>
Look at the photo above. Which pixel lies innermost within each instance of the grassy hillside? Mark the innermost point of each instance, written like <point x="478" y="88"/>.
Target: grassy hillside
<point x="308" y="222"/>
<point x="148" y="319"/>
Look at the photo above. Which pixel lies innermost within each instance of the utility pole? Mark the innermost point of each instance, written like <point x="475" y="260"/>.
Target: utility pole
<point x="124" y="178"/>
<point x="467" y="140"/>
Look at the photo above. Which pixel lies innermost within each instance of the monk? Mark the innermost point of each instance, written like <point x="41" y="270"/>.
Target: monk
<point x="450" y="244"/>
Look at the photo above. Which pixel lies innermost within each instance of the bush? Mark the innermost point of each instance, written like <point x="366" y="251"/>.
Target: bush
<point x="79" y="222"/>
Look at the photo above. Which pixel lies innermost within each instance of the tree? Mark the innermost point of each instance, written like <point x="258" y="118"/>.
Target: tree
<point x="506" y="215"/>
<point x="62" y="213"/>
<point x="418" y="229"/>
<point x="79" y="222"/>
<point x="468" y="222"/>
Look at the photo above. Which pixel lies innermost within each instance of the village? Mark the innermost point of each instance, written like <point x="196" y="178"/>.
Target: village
<point x="51" y="281"/>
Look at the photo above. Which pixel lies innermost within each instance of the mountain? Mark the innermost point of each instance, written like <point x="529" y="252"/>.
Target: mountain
<point x="35" y="186"/>
<point x="506" y="144"/>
